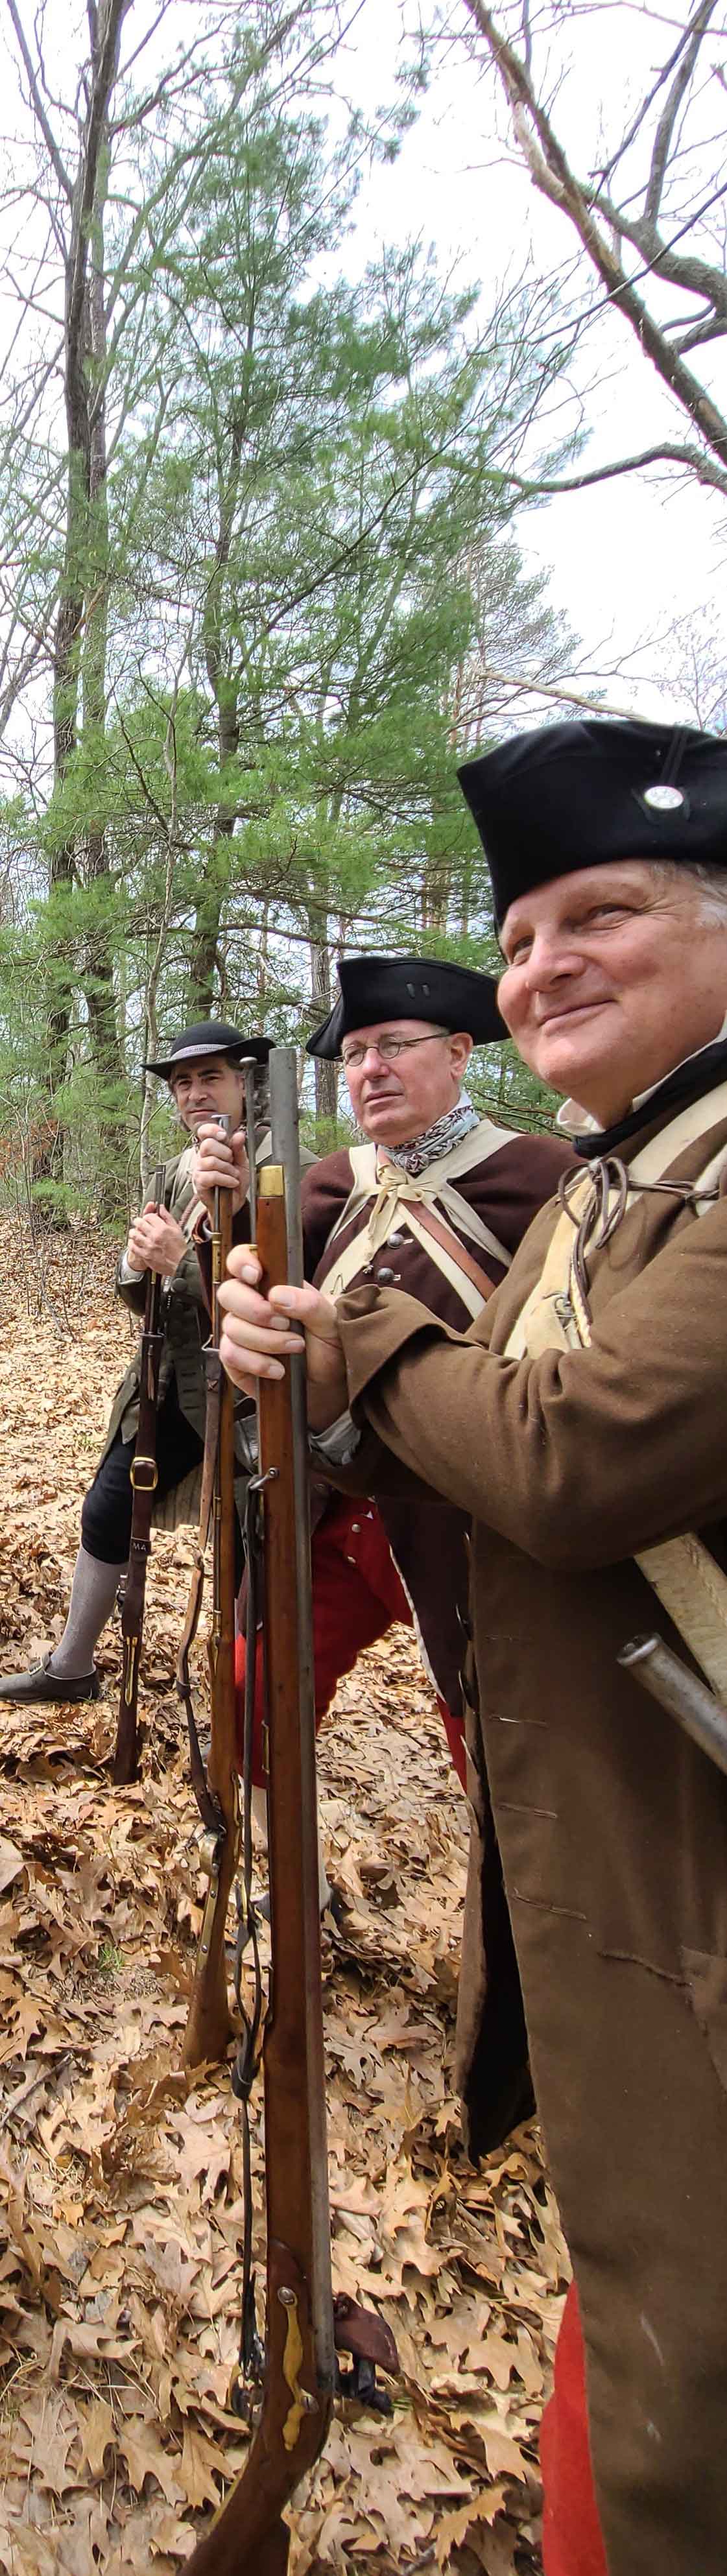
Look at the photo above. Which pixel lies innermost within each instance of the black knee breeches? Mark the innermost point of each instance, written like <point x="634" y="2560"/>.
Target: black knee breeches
<point x="106" y="1514"/>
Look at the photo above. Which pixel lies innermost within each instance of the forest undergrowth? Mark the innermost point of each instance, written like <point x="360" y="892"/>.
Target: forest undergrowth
<point x="120" y="2179"/>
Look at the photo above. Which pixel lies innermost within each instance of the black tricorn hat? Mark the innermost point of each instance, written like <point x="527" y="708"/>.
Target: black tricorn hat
<point x="209" y="1037"/>
<point x="570" y="796"/>
<point x="409" y="988"/>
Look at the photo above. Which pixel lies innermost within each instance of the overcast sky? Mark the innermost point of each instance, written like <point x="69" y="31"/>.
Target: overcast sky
<point x="625" y="558"/>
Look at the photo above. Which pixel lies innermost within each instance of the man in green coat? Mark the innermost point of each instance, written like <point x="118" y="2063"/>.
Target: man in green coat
<point x="203" y="1070"/>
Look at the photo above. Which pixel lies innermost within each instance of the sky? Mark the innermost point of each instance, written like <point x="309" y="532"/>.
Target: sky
<point x="625" y="559"/>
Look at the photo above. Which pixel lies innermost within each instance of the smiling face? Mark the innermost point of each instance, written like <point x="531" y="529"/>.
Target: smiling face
<point x="394" y="1102"/>
<point x="613" y="975"/>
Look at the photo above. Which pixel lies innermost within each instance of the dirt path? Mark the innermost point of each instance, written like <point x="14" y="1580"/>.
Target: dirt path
<point x="120" y="2185"/>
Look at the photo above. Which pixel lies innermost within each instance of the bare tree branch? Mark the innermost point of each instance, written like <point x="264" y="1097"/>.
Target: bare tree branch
<point x="667" y="454"/>
<point x="46" y="129"/>
<point x="665" y="128"/>
<point x="696" y="276"/>
<point x="643" y="110"/>
<point x="600" y="224"/>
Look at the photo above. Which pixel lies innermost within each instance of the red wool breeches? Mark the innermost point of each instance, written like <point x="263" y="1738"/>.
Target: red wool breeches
<point x="357" y="1596"/>
<point x="572" y="2541"/>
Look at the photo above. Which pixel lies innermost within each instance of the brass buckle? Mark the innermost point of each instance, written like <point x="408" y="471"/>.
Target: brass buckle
<point x="146" y="1484"/>
<point x="209" y="1858"/>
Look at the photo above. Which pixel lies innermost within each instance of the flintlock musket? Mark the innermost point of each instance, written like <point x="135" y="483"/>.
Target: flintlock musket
<point x="247" y="2536"/>
<point x="209" y="2025"/>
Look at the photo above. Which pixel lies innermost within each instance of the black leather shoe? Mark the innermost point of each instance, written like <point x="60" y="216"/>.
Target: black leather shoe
<point x="39" y="1683"/>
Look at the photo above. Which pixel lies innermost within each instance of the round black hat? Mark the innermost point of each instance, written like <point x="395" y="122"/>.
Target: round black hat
<point x="570" y="796"/>
<point x="209" y="1037"/>
<point x="409" y="988"/>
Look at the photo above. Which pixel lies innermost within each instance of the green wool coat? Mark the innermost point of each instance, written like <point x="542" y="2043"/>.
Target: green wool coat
<point x="186" y="1322"/>
<point x="184" y="1315"/>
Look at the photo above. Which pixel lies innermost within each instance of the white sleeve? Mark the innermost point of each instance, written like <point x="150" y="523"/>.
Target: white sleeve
<point x="339" y="1444"/>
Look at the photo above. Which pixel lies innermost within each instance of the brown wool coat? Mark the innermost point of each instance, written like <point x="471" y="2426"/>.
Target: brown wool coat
<point x="612" y="1826"/>
<point x="505" y="1189"/>
<point x="429" y="1544"/>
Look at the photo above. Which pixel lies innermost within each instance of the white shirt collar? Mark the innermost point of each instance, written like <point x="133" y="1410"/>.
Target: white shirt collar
<point x="572" y="1120"/>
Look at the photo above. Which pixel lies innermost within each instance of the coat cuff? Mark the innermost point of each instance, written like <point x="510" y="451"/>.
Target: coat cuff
<point x="375" y="1325"/>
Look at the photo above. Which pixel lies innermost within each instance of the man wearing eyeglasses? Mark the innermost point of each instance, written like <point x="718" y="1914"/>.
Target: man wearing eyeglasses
<point x="434" y="1200"/>
<point x="437" y="1195"/>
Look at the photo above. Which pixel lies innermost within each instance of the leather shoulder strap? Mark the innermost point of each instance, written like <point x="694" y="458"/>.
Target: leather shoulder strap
<point x="449" y="1242"/>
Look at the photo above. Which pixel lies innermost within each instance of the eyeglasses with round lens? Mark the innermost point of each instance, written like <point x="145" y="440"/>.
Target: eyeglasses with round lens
<point x="387" y="1048"/>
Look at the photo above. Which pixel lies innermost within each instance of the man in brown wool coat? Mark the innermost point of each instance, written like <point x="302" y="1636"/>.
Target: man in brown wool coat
<point x="582" y="1421"/>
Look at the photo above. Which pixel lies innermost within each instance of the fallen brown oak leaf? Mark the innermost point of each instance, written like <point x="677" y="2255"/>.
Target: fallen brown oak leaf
<point x="122" y="2184"/>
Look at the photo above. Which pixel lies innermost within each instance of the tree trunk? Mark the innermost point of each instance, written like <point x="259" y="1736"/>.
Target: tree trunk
<point x="206" y="938"/>
<point x="77" y="595"/>
<point x="320" y="981"/>
<point x="100" y="992"/>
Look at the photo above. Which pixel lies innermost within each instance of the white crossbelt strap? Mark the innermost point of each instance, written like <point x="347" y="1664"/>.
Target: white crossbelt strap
<point x="683" y="1574"/>
<point x="391" y="1195"/>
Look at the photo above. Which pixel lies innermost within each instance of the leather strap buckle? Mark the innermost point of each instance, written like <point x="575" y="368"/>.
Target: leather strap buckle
<point x="145" y="1482"/>
<point x="211" y="1847"/>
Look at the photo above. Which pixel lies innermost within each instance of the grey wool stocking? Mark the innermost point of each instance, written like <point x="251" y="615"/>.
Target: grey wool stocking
<point x="93" y="1594"/>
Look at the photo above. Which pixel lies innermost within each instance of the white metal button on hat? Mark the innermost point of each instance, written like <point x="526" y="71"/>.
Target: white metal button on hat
<point x="664" y="800"/>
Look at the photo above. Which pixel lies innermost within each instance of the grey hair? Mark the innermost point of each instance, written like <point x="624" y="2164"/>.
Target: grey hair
<point x="710" y="881"/>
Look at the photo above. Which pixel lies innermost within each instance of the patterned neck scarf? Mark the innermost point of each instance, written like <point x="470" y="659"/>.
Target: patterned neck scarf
<point x="447" y="1132"/>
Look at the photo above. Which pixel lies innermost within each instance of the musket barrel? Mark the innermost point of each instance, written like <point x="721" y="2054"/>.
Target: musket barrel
<point x="681" y="1691"/>
<point x="249" y="1070"/>
<point x="290" y="1456"/>
<point x="209" y="2026"/>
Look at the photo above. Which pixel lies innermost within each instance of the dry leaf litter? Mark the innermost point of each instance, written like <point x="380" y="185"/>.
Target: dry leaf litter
<point x="120" y="2180"/>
